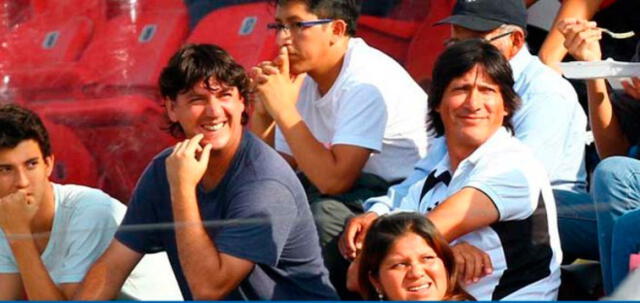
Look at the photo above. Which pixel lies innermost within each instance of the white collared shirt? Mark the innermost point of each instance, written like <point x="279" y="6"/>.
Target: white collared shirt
<point x="524" y="244"/>
<point x="549" y="121"/>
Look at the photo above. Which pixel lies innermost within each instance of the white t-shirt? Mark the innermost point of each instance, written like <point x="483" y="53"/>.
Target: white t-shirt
<point x="84" y="223"/>
<point x="374" y="104"/>
<point x="524" y="244"/>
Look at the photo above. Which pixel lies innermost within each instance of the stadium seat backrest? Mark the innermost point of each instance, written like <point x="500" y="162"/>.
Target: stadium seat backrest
<point x="123" y="134"/>
<point x="428" y="42"/>
<point x="241" y="30"/>
<point x="63" y="9"/>
<point x="41" y="54"/>
<point x="12" y="12"/>
<point x="130" y="52"/>
<point x="392" y="33"/>
<point x="151" y="5"/>
<point x="412" y="10"/>
<point x="48" y="41"/>
<point x="388" y="35"/>
<point x="135" y="7"/>
<point x="73" y="161"/>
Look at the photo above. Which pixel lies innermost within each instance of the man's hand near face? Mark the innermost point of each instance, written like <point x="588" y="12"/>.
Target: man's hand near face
<point x="472" y="263"/>
<point x="350" y="243"/>
<point x="16" y="212"/>
<point x="199" y="257"/>
<point x="187" y="164"/>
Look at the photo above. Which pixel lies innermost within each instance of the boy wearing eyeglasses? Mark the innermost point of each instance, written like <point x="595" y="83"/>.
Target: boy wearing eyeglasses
<point x="348" y="117"/>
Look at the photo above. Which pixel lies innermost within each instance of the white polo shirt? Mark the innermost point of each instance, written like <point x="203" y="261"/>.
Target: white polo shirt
<point x="523" y="245"/>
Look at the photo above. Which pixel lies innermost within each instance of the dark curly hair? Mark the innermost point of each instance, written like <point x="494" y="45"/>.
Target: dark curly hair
<point x="195" y="63"/>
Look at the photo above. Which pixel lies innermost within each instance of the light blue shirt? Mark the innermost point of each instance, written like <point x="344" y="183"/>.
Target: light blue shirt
<point x="550" y="121"/>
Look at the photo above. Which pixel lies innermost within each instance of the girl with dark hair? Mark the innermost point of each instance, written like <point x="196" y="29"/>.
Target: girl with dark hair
<point x="405" y="258"/>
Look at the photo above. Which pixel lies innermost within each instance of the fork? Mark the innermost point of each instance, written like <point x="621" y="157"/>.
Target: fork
<point x="613" y="35"/>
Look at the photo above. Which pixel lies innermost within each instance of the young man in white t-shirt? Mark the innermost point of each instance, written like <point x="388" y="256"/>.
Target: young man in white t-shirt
<point x="50" y="234"/>
<point x="489" y="196"/>
<point x="344" y="114"/>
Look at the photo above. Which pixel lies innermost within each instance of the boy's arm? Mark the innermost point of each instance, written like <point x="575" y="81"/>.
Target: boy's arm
<point x="16" y="212"/>
<point x="11" y="287"/>
<point x="38" y="284"/>
<point x="333" y="170"/>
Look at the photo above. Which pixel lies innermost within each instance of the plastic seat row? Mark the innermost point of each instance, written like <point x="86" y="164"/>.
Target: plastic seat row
<point x="53" y="57"/>
<point x="128" y="51"/>
<point x="94" y="81"/>
<point x="93" y="74"/>
<point x="408" y="35"/>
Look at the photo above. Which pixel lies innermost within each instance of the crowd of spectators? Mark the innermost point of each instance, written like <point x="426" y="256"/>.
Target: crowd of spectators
<point x="328" y="173"/>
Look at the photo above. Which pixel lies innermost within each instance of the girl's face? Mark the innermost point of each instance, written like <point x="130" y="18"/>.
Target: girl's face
<point x="411" y="271"/>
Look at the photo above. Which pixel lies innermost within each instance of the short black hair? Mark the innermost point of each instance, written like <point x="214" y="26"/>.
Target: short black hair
<point x="458" y="59"/>
<point x="195" y="63"/>
<point x="347" y="10"/>
<point x="18" y="124"/>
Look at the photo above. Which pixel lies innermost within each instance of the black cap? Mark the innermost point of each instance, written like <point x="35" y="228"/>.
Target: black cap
<point x="486" y="15"/>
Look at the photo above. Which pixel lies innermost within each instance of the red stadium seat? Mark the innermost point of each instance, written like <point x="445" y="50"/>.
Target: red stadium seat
<point x="241" y="30"/>
<point x="392" y="34"/>
<point x="131" y="50"/>
<point x="41" y="53"/>
<point x="428" y="42"/>
<point x="42" y="41"/>
<point x="73" y="163"/>
<point x="388" y="35"/>
<point x="123" y="134"/>
<point x="132" y="8"/>
<point x="63" y="9"/>
<point x="12" y="12"/>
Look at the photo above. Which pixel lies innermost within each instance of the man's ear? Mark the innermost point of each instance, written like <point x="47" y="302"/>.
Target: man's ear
<point x="49" y="162"/>
<point x="518" y="41"/>
<point x="170" y="106"/>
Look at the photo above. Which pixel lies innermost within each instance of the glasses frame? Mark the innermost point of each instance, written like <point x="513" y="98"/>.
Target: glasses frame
<point x="451" y="41"/>
<point x="500" y="36"/>
<point x="296" y="26"/>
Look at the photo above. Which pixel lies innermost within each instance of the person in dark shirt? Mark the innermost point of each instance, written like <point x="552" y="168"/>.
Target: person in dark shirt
<point x="241" y="224"/>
